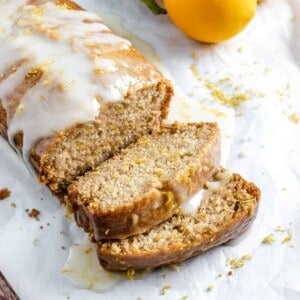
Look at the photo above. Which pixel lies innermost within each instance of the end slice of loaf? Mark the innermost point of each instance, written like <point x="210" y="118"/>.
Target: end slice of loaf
<point x="223" y="214"/>
<point x="146" y="183"/>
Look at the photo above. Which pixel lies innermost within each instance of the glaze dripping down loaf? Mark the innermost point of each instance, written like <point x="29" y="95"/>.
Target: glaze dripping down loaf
<point x="72" y="93"/>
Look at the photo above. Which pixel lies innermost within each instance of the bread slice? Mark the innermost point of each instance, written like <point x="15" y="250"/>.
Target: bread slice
<point x="145" y="184"/>
<point x="132" y="95"/>
<point x="226" y="210"/>
<point x="59" y="159"/>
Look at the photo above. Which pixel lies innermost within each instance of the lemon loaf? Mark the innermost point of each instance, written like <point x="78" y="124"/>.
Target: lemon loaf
<point x="228" y="207"/>
<point x="72" y="93"/>
<point x="147" y="182"/>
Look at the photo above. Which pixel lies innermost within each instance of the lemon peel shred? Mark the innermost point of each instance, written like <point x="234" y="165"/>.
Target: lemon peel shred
<point x="288" y="238"/>
<point x="210" y="288"/>
<point x="164" y="289"/>
<point x="294" y="118"/>
<point x="269" y="239"/>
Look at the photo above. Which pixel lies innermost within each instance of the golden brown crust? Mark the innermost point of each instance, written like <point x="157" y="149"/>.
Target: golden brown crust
<point x="176" y="253"/>
<point x="140" y="215"/>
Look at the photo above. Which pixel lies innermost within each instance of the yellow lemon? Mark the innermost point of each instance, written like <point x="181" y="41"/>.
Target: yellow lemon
<point x="211" y="21"/>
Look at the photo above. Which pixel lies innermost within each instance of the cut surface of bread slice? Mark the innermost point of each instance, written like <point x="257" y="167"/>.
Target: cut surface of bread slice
<point x="146" y="183"/>
<point x="71" y="153"/>
<point x="69" y="101"/>
<point x="226" y="210"/>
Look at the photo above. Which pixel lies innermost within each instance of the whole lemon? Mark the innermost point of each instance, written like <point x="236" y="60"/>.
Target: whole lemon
<point x="211" y="21"/>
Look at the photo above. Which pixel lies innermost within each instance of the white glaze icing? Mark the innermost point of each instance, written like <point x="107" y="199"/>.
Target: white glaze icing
<point x="222" y="179"/>
<point x="83" y="270"/>
<point x="59" y="42"/>
<point x="191" y="205"/>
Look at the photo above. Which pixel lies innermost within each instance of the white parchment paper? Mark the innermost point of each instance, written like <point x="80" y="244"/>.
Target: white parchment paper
<point x="261" y="141"/>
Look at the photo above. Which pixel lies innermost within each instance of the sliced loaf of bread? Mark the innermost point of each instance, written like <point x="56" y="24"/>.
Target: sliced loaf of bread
<point x="147" y="182"/>
<point x="227" y="209"/>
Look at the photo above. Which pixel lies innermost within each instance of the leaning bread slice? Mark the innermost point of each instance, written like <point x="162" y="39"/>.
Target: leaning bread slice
<point x="145" y="184"/>
<point x="227" y="208"/>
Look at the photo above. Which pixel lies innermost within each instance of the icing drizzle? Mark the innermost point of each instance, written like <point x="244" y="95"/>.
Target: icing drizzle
<point x="49" y="69"/>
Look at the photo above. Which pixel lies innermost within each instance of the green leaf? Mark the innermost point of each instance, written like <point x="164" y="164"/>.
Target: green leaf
<point x="154" y="7"/>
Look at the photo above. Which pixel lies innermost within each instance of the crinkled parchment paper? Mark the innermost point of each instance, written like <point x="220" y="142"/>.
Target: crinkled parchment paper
<point x="257" y="71"/>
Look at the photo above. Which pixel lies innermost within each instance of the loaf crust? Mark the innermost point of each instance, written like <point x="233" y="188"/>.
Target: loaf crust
<point x="245" y="212"/>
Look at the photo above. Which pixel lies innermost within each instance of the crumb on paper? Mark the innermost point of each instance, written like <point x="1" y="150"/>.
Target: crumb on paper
<point x="34" y="213"/>
<point x="236" y="263"/>
<point x="230" y="273"/>
<point x="220" y="275"/>
<point x="294" y="118"/>
<point x="269" y="239"/>
<point x="289" y="237"/>
<point x="280" y="229"/>
<point x="215" y="112"/>
<point x="286" y="240"/>
<point x="195" y="55"/>
<point x="63" y="247"/>
<point x="232" y="101"/>
<point x="195" y="71"/>
<point x="13" y="205"/>
<point x="164" y="289"/>
<point x="185" y="297"/>
<point x="210" y="288"/>
<point x="246" y="257"/>
<point x="4" y="193"/>
<point x="35" y="241"/>
<point x="225" y="80"/>
<point x="240" y="49"/>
